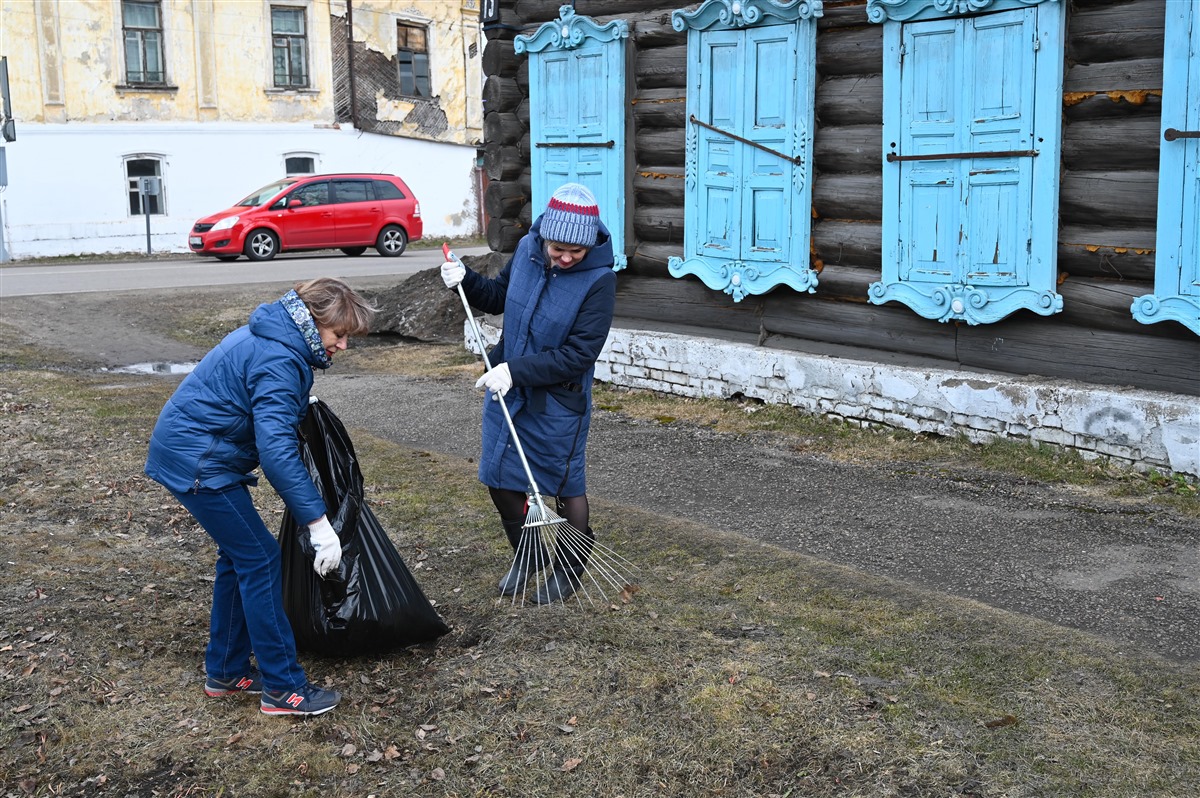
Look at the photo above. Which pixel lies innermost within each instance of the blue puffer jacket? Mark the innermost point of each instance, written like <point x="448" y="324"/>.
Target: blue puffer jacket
<point x="242" y="407"/>
<point x="555" y="324"/>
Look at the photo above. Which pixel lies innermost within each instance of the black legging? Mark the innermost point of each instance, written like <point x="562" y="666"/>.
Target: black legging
<point x="511" y="506"/>
<point x="571" y="553"/>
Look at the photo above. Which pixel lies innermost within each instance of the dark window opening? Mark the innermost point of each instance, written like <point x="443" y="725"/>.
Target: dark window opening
<point x="144" y="167"/>
<point x="289" y="47"/>
<point x="412" y="60"/>
<point x="141" y="23"/>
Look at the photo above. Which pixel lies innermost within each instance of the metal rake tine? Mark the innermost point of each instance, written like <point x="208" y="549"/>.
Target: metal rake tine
<point x="608" y="562"/>
<point x="521" y="561"/>
<point x="597" y="569"/>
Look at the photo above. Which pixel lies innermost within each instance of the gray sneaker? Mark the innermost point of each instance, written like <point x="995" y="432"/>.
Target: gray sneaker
<point x="307" y="700"/>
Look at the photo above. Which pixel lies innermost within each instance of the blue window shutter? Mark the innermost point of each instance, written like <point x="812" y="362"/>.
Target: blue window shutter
<point x="748" y="193"/>
<point x="965" y="238"/>
<point x="1176" y="294"/>
<point x="578" y="84"/>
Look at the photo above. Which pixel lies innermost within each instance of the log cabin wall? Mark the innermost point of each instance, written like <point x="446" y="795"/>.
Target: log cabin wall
<point x="1106" y="238"/>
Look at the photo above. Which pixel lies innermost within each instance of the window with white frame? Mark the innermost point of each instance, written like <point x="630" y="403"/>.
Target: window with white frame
<point x="289" y="47"/>
<point x="141" y="24"/>
<point x="412" y="59"/>
<point x="138" y="167"/>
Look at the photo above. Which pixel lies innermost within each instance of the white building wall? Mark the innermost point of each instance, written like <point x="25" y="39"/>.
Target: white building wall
<point x="60" y="175"/>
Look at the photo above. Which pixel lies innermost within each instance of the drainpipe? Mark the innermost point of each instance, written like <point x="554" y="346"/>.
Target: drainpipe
<point x="350" y="61"/>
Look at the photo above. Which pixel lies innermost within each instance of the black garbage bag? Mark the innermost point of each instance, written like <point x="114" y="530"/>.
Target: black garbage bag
<point x="372" y="603"/>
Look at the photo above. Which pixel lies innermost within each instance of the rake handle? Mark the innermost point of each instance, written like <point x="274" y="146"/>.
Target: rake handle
<point x="512" y="429"/>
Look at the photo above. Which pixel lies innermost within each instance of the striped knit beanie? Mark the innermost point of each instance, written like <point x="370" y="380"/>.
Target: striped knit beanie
<point x="571" y="217"/>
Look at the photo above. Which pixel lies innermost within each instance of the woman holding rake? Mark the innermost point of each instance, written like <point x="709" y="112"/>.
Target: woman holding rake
<point x="557" y="294"/>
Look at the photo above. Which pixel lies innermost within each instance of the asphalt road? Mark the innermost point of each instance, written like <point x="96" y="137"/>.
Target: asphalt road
<point x="187" y="271"/>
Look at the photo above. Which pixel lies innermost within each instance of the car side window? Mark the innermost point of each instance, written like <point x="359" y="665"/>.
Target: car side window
<point x="352" y="191"/>
<point x="387" y="191"/>
<point x="311" y="194"/>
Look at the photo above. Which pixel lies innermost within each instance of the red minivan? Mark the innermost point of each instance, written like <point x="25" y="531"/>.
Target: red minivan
<point x="349" y="212"/>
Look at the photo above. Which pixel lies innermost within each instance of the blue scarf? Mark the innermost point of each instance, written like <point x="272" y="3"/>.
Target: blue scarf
<point x="296" y="308"/>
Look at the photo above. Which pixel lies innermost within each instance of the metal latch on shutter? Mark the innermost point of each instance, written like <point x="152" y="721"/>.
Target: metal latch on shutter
<point x="1170" y="134"/>
<point x="606" y="144"/>
<point x="950" y="156"/>
<point x="793" y="159"/>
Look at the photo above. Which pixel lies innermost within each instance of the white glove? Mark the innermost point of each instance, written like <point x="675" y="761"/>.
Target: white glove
<point x="327" y="545"/>
<point x="498" y="381"/>
<point x="453" y="273"/>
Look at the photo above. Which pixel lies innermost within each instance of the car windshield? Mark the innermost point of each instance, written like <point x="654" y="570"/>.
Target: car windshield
<point x="265" y="193"/>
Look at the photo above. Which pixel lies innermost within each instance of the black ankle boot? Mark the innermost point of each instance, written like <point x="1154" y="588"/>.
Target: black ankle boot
<point x="529" y="558"/>
<point x="569" y="566"/>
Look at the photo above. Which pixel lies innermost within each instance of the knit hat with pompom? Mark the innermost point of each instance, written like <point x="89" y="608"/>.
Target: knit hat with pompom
<point x="571" y="217"/>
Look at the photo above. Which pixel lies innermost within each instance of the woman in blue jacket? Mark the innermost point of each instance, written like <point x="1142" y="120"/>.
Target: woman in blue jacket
<point x="557" y="295"/>
<point x="241" y="408"/>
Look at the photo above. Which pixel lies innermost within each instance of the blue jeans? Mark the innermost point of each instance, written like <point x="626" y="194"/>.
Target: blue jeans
<point x="247" y="608"/>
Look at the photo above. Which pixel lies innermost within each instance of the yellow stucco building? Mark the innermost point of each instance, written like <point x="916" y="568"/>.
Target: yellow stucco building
<point x="217" y="97"/>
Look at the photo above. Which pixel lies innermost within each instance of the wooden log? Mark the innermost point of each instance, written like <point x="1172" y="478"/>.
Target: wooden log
<point x="845" y="283"/>
<point x="501" y="94"/>
<point x="664" y="146"/>
<point x="1109" y="198"/>
<point x="502" y="128"/>
<point x="685" y="301"/>
<point x="523" y="147"/>
<point x="843" y="243"/>
<point x="850" y="51"/>
<point x="503" y="161"/>
<point x="505" y="198"/>
<point x="661" y="68"/>
<point x="650" y="259"/>
<point x="504" y="234"/>
<point x="522" y="112"/>
<point x="658" y="185"/>
<point x="1107" y="252"/>
<point x="856" y="197"/>
<point x="1115" y="32"/>
<point x="658" y="223"/>
<point x="1024" y="344"/>
<point x="547" y="10"/>
<point x="850" y="100"/>
<point x="1089" y="106"/>
<point x="1105" y="305"/>
<point x="1132" y="142"/>
<point x="660" y="108"/>
<point x="500" y="58"/>
<point x="849" y="148"/>
<point x="891" y="327"/>
<point x="847" y="13"/>
<point x="1138" y="73"/>
<point x="657" y="32"/>
<point x="507" y="27"/>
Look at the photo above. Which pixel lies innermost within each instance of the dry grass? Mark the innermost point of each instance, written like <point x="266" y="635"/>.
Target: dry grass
<point x="737" y="670"/>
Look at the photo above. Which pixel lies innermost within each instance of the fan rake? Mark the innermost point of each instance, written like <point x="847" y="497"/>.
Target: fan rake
<point x="595" y="571"/>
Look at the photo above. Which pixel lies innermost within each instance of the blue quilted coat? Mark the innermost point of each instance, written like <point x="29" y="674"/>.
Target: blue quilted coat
<point x="555" y="324"/>
<point x="242" y="407"/>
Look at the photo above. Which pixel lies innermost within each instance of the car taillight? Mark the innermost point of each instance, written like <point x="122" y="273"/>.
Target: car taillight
<point x="416" y="209"/>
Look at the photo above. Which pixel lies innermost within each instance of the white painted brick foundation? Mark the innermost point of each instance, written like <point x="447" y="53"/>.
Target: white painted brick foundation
<point x="1144" y="429"/>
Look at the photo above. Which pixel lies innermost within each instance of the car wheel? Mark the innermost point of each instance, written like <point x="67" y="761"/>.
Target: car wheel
<point x="354" y="252"/>
<point x="227" y="258"/>
<point x="391" y="242"/>
<point x="261" y="245"/>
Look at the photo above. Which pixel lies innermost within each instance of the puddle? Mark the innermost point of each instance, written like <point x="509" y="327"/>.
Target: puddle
<point x="155" y="368"/>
